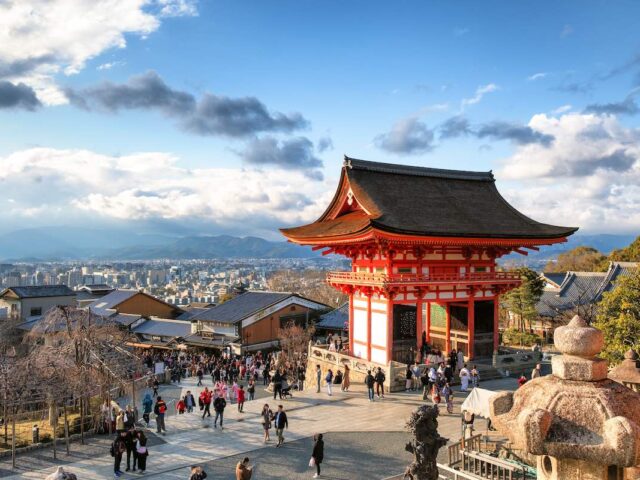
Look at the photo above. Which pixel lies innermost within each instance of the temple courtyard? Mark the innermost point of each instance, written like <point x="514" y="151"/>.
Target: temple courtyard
<point x="362" y="439"/>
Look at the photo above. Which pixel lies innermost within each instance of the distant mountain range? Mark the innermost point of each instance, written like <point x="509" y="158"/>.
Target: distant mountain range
<point x="73" y="243"/>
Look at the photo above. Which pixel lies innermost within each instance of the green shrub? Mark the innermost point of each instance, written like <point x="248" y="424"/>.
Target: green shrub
<point x="513" y="336"/>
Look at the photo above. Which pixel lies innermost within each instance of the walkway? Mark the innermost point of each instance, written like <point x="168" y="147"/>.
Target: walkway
<point x="190" y="440"/>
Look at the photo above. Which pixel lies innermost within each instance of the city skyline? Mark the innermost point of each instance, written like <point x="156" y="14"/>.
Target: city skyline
<point x="227" y="117"/>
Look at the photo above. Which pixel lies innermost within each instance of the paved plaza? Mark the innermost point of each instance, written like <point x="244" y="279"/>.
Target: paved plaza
<point x="362" y="439"/>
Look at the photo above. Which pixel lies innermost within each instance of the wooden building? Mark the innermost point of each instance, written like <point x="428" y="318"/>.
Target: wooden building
<point x="256" y="317"/>
<point x="423" y="244"/>
<point x="133" y="302"/>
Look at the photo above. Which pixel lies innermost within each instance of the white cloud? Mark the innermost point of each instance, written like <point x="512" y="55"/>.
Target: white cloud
<point x="48" y="184"/>
<point x="481" y="91"/>
<point x="110" y="65"/>
<point x="562" y="109"/>
<point x="537" y="76"/>
<point x="588" y="177"/>
<point x="40" y="39"/>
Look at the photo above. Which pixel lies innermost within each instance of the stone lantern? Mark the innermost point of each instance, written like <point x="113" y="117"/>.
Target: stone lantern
<point x="579" y="424"/>
<point x="628" y="372"/>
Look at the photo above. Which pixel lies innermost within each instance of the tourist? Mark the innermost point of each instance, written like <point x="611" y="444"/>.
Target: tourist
<point x="141" y="452"/>
<point x="120" y="422"/>
<point x="156" y="385"/>
<point x="219" y="405"/>
<point x="205" y="398"/>
<point x="129" y="418"/>
<point x="160" y="409"/>
<point x="426" y="383"/>
<point x="415" y="370"/>
<point x="130" y="443"/>
<point x="199" y="374"/>
<point x="460" y="363"/>
<point x="240" y="397"/>
<point x="118" y="447"/>
<point x="435" y="394"/>
<point x="181" y="406"/>
<point x="447" y="395"/>
<point x="522" y="380"/>
<point x="338" y="378"/>
<point x="318" y="453"/>
<point x="467" y="423"/>
<point x="380" y="378"/>
<point x="346" y="381"/>
<point x="453" y="359"/>
<point x="475" y="377"/>
<point x="61" y="474"/>
<point x="332" y="346"/>
<point x="301" y="378"/>
<point x="277" y="384"/>
<point x="251" y="389"/>
<point x="408" y="382"/>
<point x="448" y="373"/>
<point x="536" y="371"/>
<point x="369" y="382"/>
<point x="243" y="470"/>
<point x="267" y="415"/>
<point x="197" y="473"/>
<point x="329" y="380"/>
<point x="465" y="376"/>
<point x="318" y="378"/>
<point x="189" y="401"/>
<point x="280" y="422"/>
<point x="147" y="406"/>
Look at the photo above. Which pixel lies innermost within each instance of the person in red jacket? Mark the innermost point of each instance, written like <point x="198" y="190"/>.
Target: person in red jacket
<point x="205" y="397"/>
<point x="180" y="406"/>
<point x="240" y="398"/>
<point x="522" y="380"/>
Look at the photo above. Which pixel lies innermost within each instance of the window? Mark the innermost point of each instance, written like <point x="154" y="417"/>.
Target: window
<point x="481" y="269"/>
<point x="36" y="311"/>
<point x="379" y="269"/>
<point x="405" y="270"/>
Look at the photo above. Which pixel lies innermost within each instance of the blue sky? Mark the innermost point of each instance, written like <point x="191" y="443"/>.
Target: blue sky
<point x="138" y="114"/>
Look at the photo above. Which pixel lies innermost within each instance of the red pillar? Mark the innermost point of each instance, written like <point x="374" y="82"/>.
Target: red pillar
<point x="369" y="327"/>
<point x="389" y="329"/>
<point x="351" y="345"/>
<point x="496" y="318"/>
<point x="428" y="327"/>
<point x="471" y="327"/>
<point x="448" y="346"/>
<point x="419" y="323"/>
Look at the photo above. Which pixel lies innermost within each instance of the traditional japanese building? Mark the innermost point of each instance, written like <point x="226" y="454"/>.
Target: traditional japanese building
<point x="423" y="244"/>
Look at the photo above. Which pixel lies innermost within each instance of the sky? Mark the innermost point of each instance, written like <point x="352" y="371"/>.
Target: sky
<point x="187" y="116"/>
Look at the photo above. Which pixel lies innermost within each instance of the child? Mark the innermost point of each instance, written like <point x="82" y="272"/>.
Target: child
<point x="181" y="406"/>
<point x="240" y="396"/>
<point x="475" y="377"/>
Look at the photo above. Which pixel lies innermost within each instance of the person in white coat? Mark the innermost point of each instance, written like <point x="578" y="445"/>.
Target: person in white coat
<point x="465" y="376"/>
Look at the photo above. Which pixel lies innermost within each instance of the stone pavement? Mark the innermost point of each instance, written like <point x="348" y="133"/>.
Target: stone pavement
<point x="191" y="440"/>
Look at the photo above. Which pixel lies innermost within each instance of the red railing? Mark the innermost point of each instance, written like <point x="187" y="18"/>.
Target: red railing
<point x="367" y="278"/>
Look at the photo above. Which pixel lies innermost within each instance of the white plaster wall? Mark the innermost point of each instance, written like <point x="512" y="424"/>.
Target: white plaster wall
<point x="360" y="325"/>
<point x="378" y="328"/>
<point x="378" y="355"/>
<point x="360" y="351"/>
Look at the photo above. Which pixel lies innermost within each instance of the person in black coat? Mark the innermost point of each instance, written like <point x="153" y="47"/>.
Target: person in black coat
<point x="318" y="453"/>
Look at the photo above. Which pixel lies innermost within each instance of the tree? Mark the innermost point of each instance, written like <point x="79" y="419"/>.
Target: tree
<point x="619" y="317"/>
<point x="627" y="254"/>
<point x="294" y="340"/>
<point x="522" y="301"/>
<point x="580" y="259"/>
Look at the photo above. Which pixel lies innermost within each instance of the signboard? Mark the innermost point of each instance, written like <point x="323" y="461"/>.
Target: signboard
<point x="159" y="368"/>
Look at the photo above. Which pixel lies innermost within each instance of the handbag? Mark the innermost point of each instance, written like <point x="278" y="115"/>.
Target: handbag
<point x="312" y="462"/>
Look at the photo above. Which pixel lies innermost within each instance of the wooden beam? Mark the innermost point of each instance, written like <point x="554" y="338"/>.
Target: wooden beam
<point x="520" y="251"/>
<point x="536" y="249"/>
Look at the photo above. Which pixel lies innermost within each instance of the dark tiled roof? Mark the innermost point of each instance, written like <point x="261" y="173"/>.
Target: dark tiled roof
<point x="41" y="291"/>
<point x="581" y="288"/>
<point x="556" y="278"/>
<point x="241" y="307"/>
<point x="125" y="318"/>
<point x="191" y="312"/>
<point x="164" y="327"/>
<point x="110" y="301"/>
<point x="425" y="201"/>
<point x="335" y="319"/>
